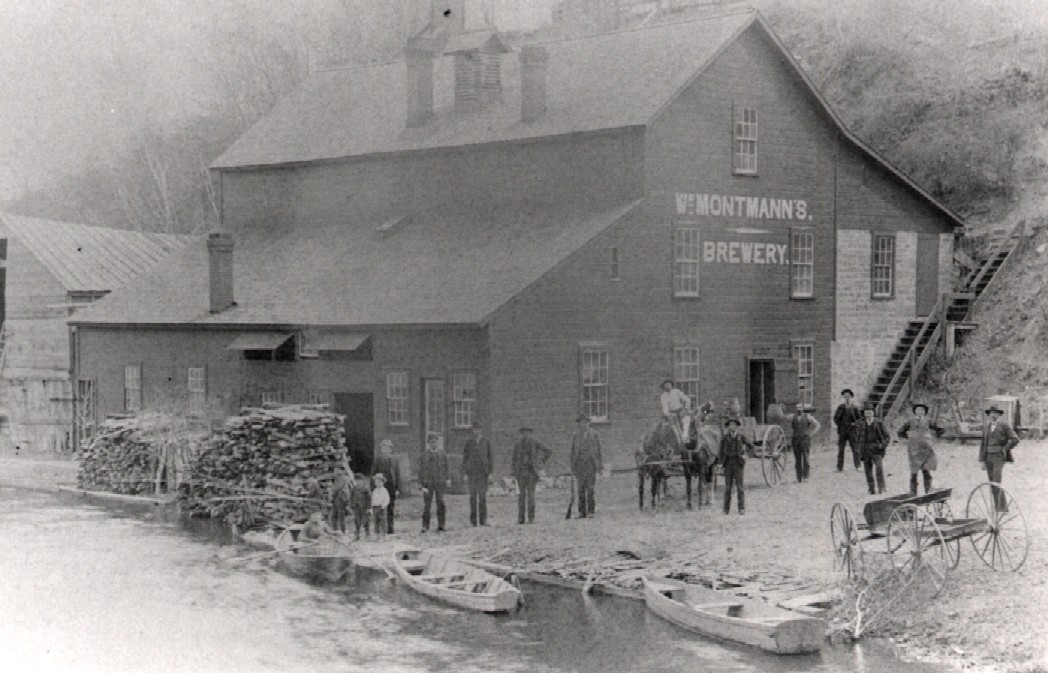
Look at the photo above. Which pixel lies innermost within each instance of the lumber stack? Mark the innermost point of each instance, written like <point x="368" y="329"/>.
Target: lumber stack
<point x="267" y="466"/>
<point x="136" y="455"/>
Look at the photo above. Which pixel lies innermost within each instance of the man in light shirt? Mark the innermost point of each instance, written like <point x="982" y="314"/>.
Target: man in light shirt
<point x="674" y="403"/>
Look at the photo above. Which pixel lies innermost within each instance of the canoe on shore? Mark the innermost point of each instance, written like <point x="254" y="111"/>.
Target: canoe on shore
<point x="452" y="581"/>
<point x="325" y="558"/>
<point x="728" y="617"/>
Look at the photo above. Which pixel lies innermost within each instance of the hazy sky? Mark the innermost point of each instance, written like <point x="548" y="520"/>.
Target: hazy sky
<point x="73" y="73"/>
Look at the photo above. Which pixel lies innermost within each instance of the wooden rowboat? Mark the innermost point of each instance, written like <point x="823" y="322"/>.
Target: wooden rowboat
<point x="452" y="581"/>
<point x="324" y="559"/>
<point x="738" y="619"/>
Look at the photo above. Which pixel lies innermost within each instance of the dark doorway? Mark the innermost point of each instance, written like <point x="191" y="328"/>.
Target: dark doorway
<point x="927" y="273"/>
<point x="762" y="387"/>
<point x="359" y="410"/>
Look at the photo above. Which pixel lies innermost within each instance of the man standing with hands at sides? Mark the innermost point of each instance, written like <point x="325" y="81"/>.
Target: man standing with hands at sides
<point x="845" y="418"/>
<point x="733" y="450"/>
<point x="389" y="467"/>
<point x="998" y="440"/>
<point x="804" y="426"/>
<point x="871" y="439"/>
<point x="528" y="457"/>
<point x="586" y="463"/>
<point x="433" y="475"/>
<point x="476" y="468"/>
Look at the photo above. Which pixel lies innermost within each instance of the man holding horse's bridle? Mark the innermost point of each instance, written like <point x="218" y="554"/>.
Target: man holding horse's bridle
<point x="674" y="404"/>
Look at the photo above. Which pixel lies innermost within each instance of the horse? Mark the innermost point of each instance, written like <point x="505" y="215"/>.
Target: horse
<point x="694" y="448"/>
<point x="657" y="448"/>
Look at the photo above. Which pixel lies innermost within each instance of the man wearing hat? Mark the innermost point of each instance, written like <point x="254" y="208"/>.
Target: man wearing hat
<point x="845" y="418"/>
<point x="586" y="463"/>
<point x="918" y="433"/>
<point x="805" y="426"/>
<point x="476" y="468"/>
<point x="998" y="440"/>
<point x="528" y="456"/>
<point x="389" y="466"/>
<point x="674" y="403"/>
<point x="871" y="440"/>
<point x="733" y="452"/>
<point x="433" y="475"/>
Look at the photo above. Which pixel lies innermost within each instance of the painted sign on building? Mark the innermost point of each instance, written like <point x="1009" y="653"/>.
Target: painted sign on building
<point x="743" y="252"/>
<point x="749" y="207"/>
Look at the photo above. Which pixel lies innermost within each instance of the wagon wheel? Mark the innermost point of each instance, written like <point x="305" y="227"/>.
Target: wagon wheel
<point x="917" y="548"/>
<point x="847" y="550"/>
<point x="1005" y="542"/>
<point x="940" y="509"/>
<point x="773" y="455"/>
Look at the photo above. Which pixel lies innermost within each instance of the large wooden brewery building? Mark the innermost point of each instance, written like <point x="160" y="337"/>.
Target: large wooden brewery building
<point x="511" y="236"/>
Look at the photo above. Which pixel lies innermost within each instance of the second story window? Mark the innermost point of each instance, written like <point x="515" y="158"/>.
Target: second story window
<point x="744" y="135"/>
<point x="802" y="263"/>
<point x="686" y="262"/>
<point x="882" y="267"/>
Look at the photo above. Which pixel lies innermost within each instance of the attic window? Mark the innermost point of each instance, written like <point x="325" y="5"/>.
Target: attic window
<point x="744" y="136"/>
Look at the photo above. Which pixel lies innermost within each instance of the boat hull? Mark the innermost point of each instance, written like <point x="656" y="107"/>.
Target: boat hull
<point x="327" y="562"/>
<point x="456" y="583"/>
<point x="733" y="618"/>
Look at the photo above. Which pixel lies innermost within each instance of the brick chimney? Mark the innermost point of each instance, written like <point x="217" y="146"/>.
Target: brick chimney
<point x="220" y="271"/>
<point x="534" y="61"/>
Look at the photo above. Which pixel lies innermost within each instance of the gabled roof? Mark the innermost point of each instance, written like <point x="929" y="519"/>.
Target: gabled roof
<point x="442" y="268"/>
<point x="91" y="259"/>
<point x="593" y="83"/>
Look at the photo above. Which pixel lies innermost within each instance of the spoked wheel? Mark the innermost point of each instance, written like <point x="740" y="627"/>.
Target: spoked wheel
<point x="917" y="548"/>
<point x="1005" y="542"/>
<point x="944" y="514"/>
<point x="847" y="550"/>
<point x="773" y="455"/>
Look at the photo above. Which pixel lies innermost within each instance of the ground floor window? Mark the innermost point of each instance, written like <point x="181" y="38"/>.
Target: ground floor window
<point x="132" y="387"/>
<point x="197" y="390"/>
<point x="320" y="397"/>
<point x="804" y="354"/>
<point x="594" y="376"/>
<point x="464" y="398"/>
<point x="686" y="372"/>
<point x="397" y="398"/>
<point x="272" y="397"/>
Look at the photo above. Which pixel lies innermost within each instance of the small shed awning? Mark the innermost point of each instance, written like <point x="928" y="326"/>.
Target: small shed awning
<point x="259" y="341"/>
<point x="335" y="341"/>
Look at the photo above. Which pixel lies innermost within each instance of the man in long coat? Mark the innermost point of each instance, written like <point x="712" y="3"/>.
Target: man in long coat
<point x="586" y="463"/>
<point x="433" y="475"/>
<point x="918" y="433"/>
<point x="804" y="426"/>
<point x="528" y="456"/>
<point x="845" y="418"/>
<point x="387" y="464"/>
<point x="871" y="440"/>
<point x="998" y="440"/>
<point x="476" y="468"/>
<point x="733" y="451"/>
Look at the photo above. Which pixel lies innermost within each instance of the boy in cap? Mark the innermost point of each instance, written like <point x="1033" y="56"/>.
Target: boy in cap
<point x="733" y="448"/>
<point x="918" y="432"/>
<point x="871" y="439"/>
<point x="845" y="418"/>
<point x="528" y="457"/>
<point x="379" y="503"/>
<point x="995" y="450"/>
<point x="389" y="466"/>
<point x="360" y="502"/>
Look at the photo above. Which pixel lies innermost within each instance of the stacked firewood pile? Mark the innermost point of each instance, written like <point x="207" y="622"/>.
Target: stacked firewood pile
<point x="140" y="455"/>
<point x="267" y="466"/>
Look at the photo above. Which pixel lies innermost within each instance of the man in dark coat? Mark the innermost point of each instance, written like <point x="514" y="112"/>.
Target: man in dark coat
<point x="998" y="440"/>
<point x="846" y="416"/>
<point x="528" y="457"/>
<point x="388" y="465"/>
<point x="733" y="452"/>
<point x="476" y="468"/>
<point x="433" y="475"/>
<point x="871" y="440"/>
<point x="804" y="426"/>
<point x="586" y="463"/>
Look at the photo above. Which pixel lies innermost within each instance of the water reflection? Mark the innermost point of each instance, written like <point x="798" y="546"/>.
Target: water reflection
<point x="88" y="588"/>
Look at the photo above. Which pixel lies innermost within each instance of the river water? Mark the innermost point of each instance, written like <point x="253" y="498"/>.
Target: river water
<point x="97" y="588"/>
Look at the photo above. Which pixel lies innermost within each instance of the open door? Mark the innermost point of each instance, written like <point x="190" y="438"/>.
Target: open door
<point x="761" y="388"/>
<point x="359" y="410"/>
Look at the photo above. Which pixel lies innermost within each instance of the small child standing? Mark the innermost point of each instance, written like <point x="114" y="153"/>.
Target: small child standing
<point x="379" y="503"/>
<point x="360" y="501"/>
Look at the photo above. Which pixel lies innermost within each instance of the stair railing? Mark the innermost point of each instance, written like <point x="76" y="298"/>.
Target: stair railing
<point x="1018" y="231"/>
<point x="916" y="360"/>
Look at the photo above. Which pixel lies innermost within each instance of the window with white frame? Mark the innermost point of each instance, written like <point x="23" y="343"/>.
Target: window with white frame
<point x="882" y="267"/>
<point x="802" y="263"/>
<point x="745" y="141"/>
<point x="197" y="390"/>
<point x="686" y="372"/>
<point x="272" y="396"/>
<point x="464" y="398"/>
<point x="804" y="354"/>
<point x="594" y="375"/>
<point x="397" y="398"/>
<point x="320" y="397"/>
<point x="613" y="272"/>
<point x="132" y="387"/>
<point x="686" y="262"/>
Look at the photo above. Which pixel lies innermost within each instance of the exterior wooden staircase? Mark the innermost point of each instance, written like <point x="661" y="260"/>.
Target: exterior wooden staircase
<point x="922" y="336"/>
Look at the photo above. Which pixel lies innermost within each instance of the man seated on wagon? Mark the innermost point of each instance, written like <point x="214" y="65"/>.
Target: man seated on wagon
<point x="674" y="404"/>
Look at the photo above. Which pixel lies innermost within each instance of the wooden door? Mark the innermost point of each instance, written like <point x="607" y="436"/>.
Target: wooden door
<point x="927" y="273"/>
<point x="761" y="387"/>
<point x="359" y="410"/>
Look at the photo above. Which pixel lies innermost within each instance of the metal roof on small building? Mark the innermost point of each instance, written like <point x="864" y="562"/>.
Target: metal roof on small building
<point x="92" y="259"/>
